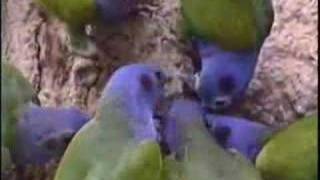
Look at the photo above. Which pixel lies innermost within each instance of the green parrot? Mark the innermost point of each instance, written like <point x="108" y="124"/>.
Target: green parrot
<point x="228" y="36"/>
<point x="16" y="92"/>
<point x="291" y="154"/>
<point x="121" y="142"/>
<point x="79" y="13"/>
<point x="197" y="155"/>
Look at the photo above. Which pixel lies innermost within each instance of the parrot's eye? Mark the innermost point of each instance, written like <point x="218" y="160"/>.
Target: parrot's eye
<point x="51" y="144"/>
<point x="226" y="84"/>
<point x="146" y="82"/>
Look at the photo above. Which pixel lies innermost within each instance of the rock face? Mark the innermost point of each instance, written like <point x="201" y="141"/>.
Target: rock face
<point x="284" y="87"/>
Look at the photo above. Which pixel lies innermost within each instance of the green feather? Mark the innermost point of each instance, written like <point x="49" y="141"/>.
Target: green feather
<point x="292" y="153"/>
<point x="172" y="169"/>
<point x="205" y="159"/>
<point x="105" y="149"/>
<point x="76" y="13"/>
<point x="233" y="24"/>
<point x="15" y="94"/>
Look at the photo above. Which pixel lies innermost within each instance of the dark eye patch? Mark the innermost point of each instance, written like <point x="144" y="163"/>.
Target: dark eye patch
<point x="146" y="82"/>
<point x="51" y="144"/>
<point x="226" y="84"/>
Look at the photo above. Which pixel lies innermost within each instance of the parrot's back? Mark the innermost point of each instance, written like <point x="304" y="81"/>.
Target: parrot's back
<point x="15" y="95"/>
<point x="120" y="143"/>
<point x="233" y="24"/>
<point x="199" y="155"/>
<point x="204" y="158"/>
<point x="291" y="154"/>
<point x="96" y="145"/>
<point x="74" y="12"/>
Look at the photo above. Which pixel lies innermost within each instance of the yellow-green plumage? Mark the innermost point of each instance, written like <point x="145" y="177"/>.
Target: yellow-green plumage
<point x="105" y="148"/>
<point x="292" y="153"/>
<point x="232" y="24"/>
<point x="205" y="159"/>
<point x="105" y="151"/>
<point x="16" y="92"/>
<point x="76" y="13"/>
<point x="172" y="169"/>
<point x="199" y="155"/>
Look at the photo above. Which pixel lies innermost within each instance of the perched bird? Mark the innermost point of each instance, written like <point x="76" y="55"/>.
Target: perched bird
<point x="224" y="76"/>
<point x="228" y="36"/>
<point x="121" y="142"/>
<point x="79" y="13"/>
<point x="242" y="135"/>
<point x="43" y="133"/>
<point x="16" y="93"/>
<point x="292" y="153"/>
<point x="197" y="154"/>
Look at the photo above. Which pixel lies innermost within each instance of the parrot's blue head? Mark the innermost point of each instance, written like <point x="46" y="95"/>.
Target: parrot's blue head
<point x="243" y="135"/>
<point x="224" y="75"/>
<point x="140" y="83"/>
<point x="139" y="88"/>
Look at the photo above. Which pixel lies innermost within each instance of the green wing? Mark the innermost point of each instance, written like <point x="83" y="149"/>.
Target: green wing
<point x="76" y="162"/>
<point x="16" y="92"/>
<point x="105" y="149"/>
<point x="234" y="25"/>
<point x="292" y="153"/>
<point x="172" y="169"/>
<point x="205" y="159"/>
<point x="75" y="13"/>
<point x="144" y="162"/>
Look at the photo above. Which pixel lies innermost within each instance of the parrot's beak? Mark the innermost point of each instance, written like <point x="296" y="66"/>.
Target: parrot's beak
<point x="219" y="104"/>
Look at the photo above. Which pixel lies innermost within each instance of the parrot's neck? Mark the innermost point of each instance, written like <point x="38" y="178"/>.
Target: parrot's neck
<point x="136" y="114"/>
<point x="198" y="142"/>
<point x="207" y="49"/>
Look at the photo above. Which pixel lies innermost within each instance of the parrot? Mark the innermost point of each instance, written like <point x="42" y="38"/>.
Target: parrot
<point x="228" y="36"/>
<point x="43" y="133"/>
<point x="239" y="134"/>
<point x="121" y="142"/>
<point x="292" y="153"/>
<point x="16" y="93"/>
<point x="76" y="14"/>
<point x="197" y="155"/>
<point x="224" y="76"/>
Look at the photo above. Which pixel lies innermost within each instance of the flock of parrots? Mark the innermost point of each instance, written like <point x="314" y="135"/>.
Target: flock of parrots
<point x="127" y="139"/>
